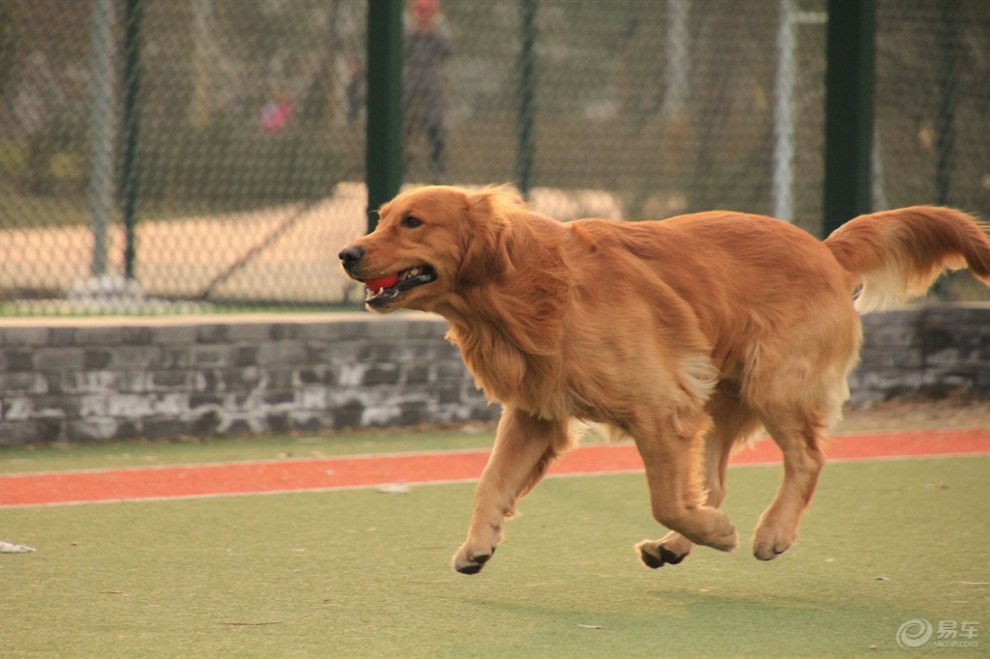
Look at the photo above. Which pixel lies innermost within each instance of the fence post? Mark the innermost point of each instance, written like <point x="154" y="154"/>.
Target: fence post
<point x="848" y="110"/>
<point x="132" y="126"/>
<point x="783" y="120"/>
<point x="103" y="129"/>
<point x="527" y="105"/>
<point x="948" y="46"/>
<point x="383" y="158"/>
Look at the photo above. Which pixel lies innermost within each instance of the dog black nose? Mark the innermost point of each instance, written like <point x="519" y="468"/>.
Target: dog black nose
<point x="349" y="256"/>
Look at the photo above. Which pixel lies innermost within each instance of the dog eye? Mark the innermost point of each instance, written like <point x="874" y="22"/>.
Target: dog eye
<point x="411" y="222"/>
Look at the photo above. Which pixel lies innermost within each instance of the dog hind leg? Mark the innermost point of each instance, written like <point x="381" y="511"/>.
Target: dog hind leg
<point x="800" y="441"/>
<point x="799" y="396"/>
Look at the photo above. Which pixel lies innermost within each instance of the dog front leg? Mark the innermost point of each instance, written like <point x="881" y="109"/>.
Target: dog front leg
<point x="525" y="447"/>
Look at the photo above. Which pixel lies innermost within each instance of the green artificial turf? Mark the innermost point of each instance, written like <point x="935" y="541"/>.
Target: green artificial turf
<point x="118" y="455"/>
<point x="366" y="574"/>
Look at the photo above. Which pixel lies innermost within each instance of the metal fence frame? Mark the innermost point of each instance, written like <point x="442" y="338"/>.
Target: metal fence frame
<point x="851" y="144"/>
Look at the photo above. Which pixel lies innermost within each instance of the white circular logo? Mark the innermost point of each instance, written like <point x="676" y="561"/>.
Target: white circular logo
<point x="914" y="633"/>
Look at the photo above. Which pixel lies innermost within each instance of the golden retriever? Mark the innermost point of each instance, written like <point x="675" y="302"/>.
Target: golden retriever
<point x="687" y="334"/>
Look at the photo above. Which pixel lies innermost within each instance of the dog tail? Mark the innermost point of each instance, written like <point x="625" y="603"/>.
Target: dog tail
<point x="898" y="254"/>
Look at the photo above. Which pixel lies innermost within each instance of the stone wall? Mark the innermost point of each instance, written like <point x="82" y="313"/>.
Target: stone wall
<point x="929" y="351"/>
<point x="72" y="379"/>
<point x="92" y="379"/>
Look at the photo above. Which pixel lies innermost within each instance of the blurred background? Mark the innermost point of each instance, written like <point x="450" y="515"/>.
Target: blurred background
<point x="175" y="156"/>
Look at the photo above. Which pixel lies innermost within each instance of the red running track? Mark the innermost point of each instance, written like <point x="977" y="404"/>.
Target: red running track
<point x="293" y="475"/>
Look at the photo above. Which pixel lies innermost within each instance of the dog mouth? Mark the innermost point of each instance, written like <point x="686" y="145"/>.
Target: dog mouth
<point x="387" y="288"/>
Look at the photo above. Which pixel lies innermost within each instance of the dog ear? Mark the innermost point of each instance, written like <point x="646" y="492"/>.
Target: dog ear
<point x="484" y="238"/>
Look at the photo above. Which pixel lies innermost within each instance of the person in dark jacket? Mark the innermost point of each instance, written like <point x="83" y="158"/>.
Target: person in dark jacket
<point x="426" y="48"/>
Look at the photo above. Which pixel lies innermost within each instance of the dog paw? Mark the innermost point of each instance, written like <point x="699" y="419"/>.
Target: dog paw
<point x="656" y="554"/>
<point x="467" y="562"/>
<point x="771" y="541"/>
<point x="726" y="540"/>
<point x="711" y="528"/>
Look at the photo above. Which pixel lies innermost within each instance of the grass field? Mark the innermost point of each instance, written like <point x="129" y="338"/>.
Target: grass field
<point x="113" y="455"/>
<point x="361" y="573"/>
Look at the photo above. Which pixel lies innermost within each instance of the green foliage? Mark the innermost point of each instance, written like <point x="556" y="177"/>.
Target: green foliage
<point x="52" y="162"/>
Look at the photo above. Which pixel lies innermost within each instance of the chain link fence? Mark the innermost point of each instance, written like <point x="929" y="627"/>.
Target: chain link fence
<point x="179" y="155"/>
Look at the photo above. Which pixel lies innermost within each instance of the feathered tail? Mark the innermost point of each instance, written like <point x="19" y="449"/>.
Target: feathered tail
<point x="898" y="254"/>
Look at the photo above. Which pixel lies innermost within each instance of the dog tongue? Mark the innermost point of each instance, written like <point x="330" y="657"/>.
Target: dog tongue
<point x="388" y="281"/>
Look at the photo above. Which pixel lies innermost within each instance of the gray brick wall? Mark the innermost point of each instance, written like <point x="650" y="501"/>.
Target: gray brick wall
<point x="92" y="379"/>
<point x="924" y="351"/>
<point x="70" y="379"/>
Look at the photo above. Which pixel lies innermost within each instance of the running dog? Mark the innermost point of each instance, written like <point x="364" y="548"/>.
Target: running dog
<point x="687" y="335"/>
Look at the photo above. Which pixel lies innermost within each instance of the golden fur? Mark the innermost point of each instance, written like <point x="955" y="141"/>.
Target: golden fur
<point x="687" y="335"/>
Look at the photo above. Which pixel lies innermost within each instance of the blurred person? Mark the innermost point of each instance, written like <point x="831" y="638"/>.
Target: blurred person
<point x="276" y="113"/>
<point x="426" y="48"/>
<point x="356" y="92"/>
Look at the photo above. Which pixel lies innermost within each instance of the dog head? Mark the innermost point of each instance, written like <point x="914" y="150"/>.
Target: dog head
<point x="430" y="243"/>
